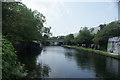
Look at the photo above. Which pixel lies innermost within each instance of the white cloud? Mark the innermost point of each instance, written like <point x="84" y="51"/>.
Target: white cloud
<point x="52" y="10"/>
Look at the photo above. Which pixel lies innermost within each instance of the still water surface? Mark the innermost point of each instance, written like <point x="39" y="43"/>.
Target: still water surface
<point x="60" y="62"/>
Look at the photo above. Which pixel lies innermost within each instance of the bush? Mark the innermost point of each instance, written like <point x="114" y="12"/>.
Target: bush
<point x="11" y="68"/>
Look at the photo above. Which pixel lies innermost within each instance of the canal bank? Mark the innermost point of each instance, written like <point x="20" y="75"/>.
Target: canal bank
<point x="103" y="53"/>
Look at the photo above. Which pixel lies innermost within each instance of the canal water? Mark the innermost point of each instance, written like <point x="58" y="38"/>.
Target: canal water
<point x="60" y="62"/>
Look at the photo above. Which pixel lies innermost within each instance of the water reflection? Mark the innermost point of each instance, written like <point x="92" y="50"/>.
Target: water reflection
<point x="104" y="67"/>
<point x="28" y="57"/>
<point x="83" y="60"/>
<point x="113" y="66"/>
<point x="69" y="63"/>
<point x="59" y="62"/>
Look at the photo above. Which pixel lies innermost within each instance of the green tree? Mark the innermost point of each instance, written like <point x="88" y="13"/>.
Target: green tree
<point x="46" y="32"/>
<point x="102" y="26"/>
<point x="84" y="37"/>
<point x="110" y="30"/>
<point x="69" y="39"/>
<point x="21" y="23"/>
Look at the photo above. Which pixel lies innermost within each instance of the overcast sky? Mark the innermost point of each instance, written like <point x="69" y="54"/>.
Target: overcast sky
<point x="68" y="17"/>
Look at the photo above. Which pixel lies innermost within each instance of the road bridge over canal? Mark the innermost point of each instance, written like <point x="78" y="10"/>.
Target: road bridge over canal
<point x="51" y="41"/>
<point x="55" y="41"/>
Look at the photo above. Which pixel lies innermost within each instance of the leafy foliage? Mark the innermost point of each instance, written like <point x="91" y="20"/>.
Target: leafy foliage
<point x="11" y="68"/>
<point x="69" y="39"/>
<point x="84" y="37"/>
<point x="21" y="23"/>
<point x="102" y="26"/>
<point x="110" y="30"/>
<point x="106" y="31"/>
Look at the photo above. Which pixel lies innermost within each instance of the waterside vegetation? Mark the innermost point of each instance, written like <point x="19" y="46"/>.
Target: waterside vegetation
<point x="94" y="51"/>
<point x="20" y="25"/>
<point x="94" y="42"/>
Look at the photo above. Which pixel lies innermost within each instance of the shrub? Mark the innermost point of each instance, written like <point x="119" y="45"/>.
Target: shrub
<point x="11" y="68"/>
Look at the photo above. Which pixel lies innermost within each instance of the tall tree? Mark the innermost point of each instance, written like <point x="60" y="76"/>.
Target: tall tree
<point x="69" y="39"/>
<point x="84" y="37"/>
<point x="102" y="26"/>
<point x="21" y="23"/>
<point x="110" y="30"/>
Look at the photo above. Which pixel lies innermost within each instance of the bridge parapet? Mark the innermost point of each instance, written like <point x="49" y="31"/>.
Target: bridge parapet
<point x="55" y="40"/>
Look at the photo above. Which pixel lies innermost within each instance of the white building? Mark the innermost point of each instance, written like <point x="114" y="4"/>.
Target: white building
<point x="95" y="30"/>
<point x="75" y="34"/>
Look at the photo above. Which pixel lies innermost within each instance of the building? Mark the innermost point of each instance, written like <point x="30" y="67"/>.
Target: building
<point x="75" y="34"/>
<point x="94" y="30"/>
<point x="114" y="45"/>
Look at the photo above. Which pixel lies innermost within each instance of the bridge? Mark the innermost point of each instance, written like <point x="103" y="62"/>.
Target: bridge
<point x="55" y="41"/>
<point x="51" y="41"/>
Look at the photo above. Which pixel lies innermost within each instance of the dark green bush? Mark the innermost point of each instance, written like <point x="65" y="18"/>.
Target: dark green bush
<point x="11" y="68"/>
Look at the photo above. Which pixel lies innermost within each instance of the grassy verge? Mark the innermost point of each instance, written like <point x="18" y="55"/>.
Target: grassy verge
<point x="95" y="51"/>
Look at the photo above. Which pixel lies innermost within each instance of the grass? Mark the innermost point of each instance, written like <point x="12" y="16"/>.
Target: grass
<point x="95" y="51"/>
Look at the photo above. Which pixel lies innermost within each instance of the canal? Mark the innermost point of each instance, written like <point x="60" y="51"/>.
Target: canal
<point x="60" y="62"/>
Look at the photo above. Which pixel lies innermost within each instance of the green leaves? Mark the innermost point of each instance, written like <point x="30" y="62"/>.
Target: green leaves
<point x="21" y="23"/>
<point x="84" y="37"/>
<point x="69" y="39"/>
<point x="10" y="67"/>
<point x="110" y="30"/>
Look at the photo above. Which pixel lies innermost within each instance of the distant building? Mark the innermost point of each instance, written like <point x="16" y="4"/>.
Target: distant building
<point x="75" y="34"/>
<point x="94" y="30"/>
<point x="114" y="45"/>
